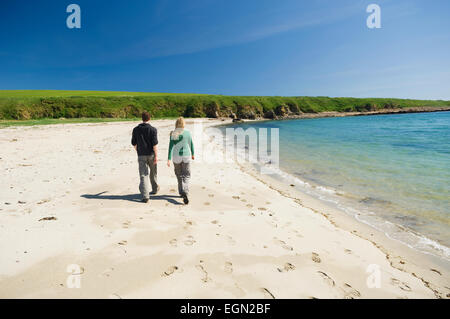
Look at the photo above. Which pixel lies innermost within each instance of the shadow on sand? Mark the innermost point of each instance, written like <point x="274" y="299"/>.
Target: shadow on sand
<point x="132" y="197"/>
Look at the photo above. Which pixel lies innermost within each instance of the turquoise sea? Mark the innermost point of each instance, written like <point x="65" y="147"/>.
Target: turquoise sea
<point x="390" y="171"/>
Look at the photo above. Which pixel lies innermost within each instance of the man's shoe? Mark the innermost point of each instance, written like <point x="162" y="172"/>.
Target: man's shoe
<point x="145" y="200"/>
<point x="185" y="199"/>
<point x="154" y="192"/>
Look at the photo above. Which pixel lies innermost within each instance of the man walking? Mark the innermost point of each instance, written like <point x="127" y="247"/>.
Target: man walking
<point x="145" y="141"/>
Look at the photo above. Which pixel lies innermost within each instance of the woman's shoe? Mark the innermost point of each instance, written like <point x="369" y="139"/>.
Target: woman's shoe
<point x="185" y="199"/>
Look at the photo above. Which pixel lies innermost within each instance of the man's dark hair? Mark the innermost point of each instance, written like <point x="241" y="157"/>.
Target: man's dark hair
<point x="145" y="116"/>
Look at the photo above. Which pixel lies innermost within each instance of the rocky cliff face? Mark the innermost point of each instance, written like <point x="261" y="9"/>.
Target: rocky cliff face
<point x="287" y="112"/>
<point x="282" y="111"/>
<point x="248" y="112"/>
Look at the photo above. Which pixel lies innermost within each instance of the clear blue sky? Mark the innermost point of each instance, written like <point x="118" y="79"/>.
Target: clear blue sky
<point x="246" y="47"/>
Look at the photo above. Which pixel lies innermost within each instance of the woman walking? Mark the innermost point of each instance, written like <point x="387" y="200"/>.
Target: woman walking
<point x="182" y="149"/>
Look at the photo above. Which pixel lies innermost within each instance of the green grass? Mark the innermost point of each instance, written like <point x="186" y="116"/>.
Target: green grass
<point x="7" y="123"/>
<point x="51" y="104"/>
<point x="46" y="121"/>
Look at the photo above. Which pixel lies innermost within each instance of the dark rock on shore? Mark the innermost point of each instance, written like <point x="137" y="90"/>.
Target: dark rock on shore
<point x="246" y="112"/>
<point x="212" y="110"/>
<point x="293" y="108"/>
<point x="281" y="110"/>
<point x="270" y="115"/>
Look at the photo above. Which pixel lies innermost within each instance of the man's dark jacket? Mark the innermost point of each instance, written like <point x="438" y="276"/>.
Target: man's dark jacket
<point x="145" y="137"/>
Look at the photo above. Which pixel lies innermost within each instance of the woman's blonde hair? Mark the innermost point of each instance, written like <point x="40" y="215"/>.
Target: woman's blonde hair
<point x="180" y="122"/>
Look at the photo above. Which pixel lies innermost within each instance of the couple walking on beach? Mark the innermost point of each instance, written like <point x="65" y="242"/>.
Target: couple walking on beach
<point x="181" y="149"/>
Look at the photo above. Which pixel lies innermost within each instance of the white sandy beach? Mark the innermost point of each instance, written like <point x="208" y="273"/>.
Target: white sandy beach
<point x="241" y="236"/>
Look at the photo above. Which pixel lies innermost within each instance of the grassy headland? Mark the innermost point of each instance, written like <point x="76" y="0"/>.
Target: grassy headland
<point x="48" y="104"/>
<point x="49" y="121"/>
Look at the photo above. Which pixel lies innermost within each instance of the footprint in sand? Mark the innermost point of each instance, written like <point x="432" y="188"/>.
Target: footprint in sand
<point x="122" y="242"/>
<point x="327" y="278"/>
<point x="173" y="242"/>
<point x="47" y="218"/>
<point x="169" y="271"/>
<point x="210" y="195"/>
<point x="315" y="257"/>
<point x="287" y="267"/>
<point x="347" y="251"/>
<point x="267" y="293"/>
<point x="262" y="208"/>
<point x="236" y="197"/>
<point x="286" y="224"/>
<point x="282" y="244"/>
<point x="207" y="203"/>
<point x="230" y="240"/>
<point x="297" y="233"/>
<point x="107" y="272"/>
<point x="190" y="241"/>
<point x="205" y="277"/>
<point x="78" y="273"/>
<point x="249" y="205"/>
<point x="126" y="224"/>
<point x="228" y="267"/>
<point x="350" y="292"/>
<point x="436" y="271"/>
<point x="400" y="284"/>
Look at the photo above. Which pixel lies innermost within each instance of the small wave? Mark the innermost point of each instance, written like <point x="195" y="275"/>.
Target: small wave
<point x="326" y="190"/>
<point x="393" y="231"/>
<point x="405" y="236"/>
<point x="426" y="242"/>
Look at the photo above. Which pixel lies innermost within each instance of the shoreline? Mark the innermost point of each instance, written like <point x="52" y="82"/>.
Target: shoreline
<point x="401" y="256"/>
<point x="345" y="114"/>
<point x="311" y="188"/>
<point x="418" y="259"/>
<point x="238" y="238"/>
<point x="82" y="120"/>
